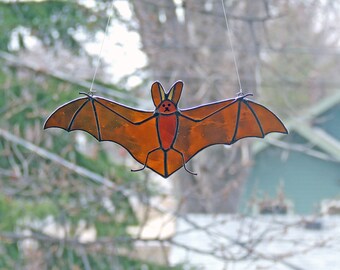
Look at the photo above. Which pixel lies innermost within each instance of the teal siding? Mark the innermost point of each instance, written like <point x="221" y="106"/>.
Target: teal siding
<point x="330" y="122"/>
<point x="307" y="180"/>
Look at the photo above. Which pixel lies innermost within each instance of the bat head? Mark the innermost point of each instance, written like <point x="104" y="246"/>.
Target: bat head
<point x="166" y="103"/>
<point x="167" y="107"/>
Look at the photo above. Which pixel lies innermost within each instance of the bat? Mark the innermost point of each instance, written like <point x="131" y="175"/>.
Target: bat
<point x="165" y="139"/>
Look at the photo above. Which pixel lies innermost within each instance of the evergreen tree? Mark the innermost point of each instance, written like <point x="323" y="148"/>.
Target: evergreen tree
<point x="49" y="199"/>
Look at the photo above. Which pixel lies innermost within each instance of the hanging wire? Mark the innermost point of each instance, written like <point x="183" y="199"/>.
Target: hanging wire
<point x="99" y="59"/>
<point x="231" y="46"/>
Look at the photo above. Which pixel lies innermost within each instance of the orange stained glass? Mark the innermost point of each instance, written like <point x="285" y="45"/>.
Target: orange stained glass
<point x="165" y="139"/>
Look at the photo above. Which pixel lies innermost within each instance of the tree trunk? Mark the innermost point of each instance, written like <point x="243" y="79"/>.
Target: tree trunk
<point x="195" y="49"/>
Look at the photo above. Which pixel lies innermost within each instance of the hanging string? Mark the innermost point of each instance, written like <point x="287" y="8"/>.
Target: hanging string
<point x="231" y="46"/>
<point x="99" y="58"/>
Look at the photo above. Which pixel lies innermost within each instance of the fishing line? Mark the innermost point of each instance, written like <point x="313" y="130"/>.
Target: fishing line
<point x="231" y="45"/>
<point x="99" y="58"/>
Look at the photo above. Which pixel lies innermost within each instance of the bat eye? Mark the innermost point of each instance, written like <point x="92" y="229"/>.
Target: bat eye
<point x="168" y="104"/>
<point x="163" y="105"/>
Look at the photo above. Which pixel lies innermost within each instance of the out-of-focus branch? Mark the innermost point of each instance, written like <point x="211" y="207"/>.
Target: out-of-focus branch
<point x="63" y="162"/>
<point x="198" y="9"/>
<point x="15" y="61"/>
<point x="301" y="148"/>
<point x="108" y="241"/>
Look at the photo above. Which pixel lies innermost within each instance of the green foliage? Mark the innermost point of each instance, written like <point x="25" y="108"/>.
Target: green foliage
<point x="12" y="211"/>
<point x="51" y="22"/>
<point x="43" y="189"/>
<point x="35" y="192"/>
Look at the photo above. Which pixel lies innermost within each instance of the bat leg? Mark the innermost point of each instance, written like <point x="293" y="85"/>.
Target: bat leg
<point x="193" y="173"/>
<point x="146" y="161"/>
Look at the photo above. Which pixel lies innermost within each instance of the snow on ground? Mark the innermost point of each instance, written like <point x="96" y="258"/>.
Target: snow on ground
<point x="262" y="242"/>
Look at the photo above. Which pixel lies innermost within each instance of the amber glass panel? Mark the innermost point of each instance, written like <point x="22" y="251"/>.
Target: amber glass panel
<point x="223" y="123"/>
<point x="108" y="121"/>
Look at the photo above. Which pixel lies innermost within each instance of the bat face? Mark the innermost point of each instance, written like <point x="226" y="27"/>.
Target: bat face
<point x="167" y="107"/>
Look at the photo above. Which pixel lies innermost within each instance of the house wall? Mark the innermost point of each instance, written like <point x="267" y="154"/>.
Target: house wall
<point x="306" y="180"/>
<point x="330" y="122"/>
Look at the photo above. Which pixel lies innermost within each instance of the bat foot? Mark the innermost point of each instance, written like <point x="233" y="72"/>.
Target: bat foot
<point x="185" y="168"/>
<point x="138" y="170"/>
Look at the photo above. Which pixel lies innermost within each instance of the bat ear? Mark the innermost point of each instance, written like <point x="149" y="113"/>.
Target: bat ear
<point x="158" y="93"/>
<point x="175" y="92"/>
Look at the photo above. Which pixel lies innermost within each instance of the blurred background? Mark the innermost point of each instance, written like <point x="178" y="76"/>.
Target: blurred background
<point x="69" y="202"/>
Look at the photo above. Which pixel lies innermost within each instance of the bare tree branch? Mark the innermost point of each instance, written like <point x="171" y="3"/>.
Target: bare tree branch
<point x="15" y="61"/>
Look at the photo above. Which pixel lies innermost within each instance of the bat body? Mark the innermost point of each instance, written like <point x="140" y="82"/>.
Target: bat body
<point x="167" y="129"/>
<point x="165" y="139"/>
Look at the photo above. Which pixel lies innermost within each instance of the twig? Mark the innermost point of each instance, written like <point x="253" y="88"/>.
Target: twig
<point x="15" y="61"/>
<point x="63" y="162"/>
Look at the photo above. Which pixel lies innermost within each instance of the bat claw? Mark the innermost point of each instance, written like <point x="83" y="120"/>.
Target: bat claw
<point x="88" y="94"/>
<point x="240" y="95"/>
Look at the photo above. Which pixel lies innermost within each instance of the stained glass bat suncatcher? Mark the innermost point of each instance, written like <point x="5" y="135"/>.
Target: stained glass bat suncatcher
<point x="165" y="139"/>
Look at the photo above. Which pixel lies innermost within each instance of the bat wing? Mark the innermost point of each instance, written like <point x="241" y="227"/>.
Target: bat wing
<point x="223" y="122"/>
<point x="107" y="120"/>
